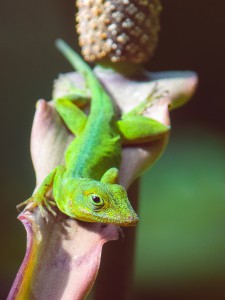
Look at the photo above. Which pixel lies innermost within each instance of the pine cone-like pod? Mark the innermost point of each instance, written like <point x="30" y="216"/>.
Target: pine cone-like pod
<point x="119" y="30"/>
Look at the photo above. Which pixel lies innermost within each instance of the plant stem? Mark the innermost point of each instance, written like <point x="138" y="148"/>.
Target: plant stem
<point x="116" y="275"/>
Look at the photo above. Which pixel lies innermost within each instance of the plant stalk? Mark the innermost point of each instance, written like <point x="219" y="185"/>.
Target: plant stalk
<point x="116" y="274"/>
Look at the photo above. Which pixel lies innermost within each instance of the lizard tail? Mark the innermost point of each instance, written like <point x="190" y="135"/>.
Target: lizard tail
<point x="80" y="65"/>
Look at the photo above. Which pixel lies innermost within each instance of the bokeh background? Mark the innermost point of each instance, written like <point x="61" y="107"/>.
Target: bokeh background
<point x="181" y="236"/>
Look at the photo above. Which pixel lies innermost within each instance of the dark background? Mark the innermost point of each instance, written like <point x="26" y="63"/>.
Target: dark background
<point x="181" y="242"/>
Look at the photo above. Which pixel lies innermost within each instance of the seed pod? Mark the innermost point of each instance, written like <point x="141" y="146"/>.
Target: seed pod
<point x="118" y="30"/>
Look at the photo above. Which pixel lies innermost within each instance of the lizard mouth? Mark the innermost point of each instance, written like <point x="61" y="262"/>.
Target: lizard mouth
<point x="120" y="219"/>
<point x="129" y="224"/>
<point x="86" y="216"/>
<point x="129" y="221"/>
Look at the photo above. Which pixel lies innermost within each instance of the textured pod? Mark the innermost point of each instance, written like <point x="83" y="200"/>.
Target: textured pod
<point x="119" y="30"/>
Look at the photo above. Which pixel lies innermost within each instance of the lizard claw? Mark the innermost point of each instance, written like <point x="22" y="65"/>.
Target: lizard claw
<point x="43" y="212"/>
<point x="156" y="93"/>
<point x="24" y="203"/>
<point x="48" y="204"/>
<point x="44" y="205"/>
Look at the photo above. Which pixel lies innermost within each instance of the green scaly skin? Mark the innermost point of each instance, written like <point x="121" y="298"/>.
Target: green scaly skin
<point x="86" y="187"/>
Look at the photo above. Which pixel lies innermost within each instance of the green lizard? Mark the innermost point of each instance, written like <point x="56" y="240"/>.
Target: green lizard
<point x="86" y="187"/>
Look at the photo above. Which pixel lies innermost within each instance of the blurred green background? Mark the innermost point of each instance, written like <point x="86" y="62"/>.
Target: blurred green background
<point x="181" y="241"/>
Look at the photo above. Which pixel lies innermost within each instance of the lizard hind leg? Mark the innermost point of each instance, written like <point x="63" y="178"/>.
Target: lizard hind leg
<point x="135" y="128"/>
<point x="155" y="94"/>
<point x="140" y="129"/>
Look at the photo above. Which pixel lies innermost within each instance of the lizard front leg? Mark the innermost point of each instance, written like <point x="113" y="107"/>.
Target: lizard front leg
<point x="68" y="91"/>
<point x="39" y="198"/>
<point x="74" y="118"/>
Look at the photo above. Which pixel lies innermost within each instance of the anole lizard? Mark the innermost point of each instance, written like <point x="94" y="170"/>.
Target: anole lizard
<point x="86" y="187"/>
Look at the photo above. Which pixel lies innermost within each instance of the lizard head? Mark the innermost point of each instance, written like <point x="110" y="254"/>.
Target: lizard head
<point x="94" y="201"/>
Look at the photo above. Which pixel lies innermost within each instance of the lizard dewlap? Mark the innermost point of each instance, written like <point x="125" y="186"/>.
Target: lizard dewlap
<point x="119" y="30"/>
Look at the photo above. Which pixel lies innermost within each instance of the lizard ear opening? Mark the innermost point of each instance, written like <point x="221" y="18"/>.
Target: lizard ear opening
<point x="110" y="176"/>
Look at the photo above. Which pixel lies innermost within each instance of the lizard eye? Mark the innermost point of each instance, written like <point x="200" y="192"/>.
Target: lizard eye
<point x="97" y="200"/>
